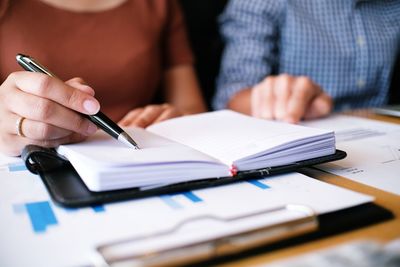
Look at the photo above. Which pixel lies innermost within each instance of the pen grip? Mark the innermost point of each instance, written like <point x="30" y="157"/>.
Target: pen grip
<point x="105" y="124"/>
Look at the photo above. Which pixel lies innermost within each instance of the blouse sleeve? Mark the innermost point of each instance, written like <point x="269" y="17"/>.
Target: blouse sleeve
<point x="3" y="7"/>
<point x="176" y="46"/>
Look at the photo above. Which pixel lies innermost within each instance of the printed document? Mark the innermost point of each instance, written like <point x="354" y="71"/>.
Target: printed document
<point x="373" y="151"/>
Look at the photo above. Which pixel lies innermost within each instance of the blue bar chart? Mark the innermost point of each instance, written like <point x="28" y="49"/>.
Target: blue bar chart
<point x="172" y="201"/>
<point x="259" y="184"/>
<point x="41" y="215"/>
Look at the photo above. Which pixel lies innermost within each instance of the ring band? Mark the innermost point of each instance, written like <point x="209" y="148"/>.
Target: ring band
<point x="19" y="126"/>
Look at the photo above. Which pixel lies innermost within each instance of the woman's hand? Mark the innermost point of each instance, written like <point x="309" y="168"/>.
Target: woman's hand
<point x="143" y="117"/>
<point x="49" y="111"/>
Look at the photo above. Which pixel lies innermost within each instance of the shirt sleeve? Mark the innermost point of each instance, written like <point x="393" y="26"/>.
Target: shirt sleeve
<point x="176" y="47"/>
<point x="250" y="29"/>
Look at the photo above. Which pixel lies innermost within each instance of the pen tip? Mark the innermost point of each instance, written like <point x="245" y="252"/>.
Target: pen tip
<point x="126" y="139"/>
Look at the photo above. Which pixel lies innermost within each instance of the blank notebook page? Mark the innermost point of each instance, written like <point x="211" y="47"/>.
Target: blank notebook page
<point x="230" y="136"/>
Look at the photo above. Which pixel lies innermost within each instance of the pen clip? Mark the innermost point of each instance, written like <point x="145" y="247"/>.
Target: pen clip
<point x="30" y="64"/>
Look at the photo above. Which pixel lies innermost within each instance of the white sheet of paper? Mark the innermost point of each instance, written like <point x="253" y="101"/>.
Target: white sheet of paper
<point x="24" y="202"/>
<point x="373" y="151"/>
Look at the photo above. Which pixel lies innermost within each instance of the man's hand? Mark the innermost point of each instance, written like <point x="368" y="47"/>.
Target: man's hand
<point x="289" y="98"/>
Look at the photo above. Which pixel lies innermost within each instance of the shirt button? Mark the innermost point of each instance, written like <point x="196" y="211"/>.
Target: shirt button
<point x="361" y="83"/>
<point x="360" y="41"/>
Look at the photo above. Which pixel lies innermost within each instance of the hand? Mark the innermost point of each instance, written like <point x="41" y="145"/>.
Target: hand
<point x="49" y="108"/>
<point x="143" y="117"/>
<point x="289" y="98"/>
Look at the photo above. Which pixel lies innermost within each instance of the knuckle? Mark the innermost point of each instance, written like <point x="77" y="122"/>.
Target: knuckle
<point x="264" y="88"/>
<point x="12" y="76"/>
<point x="44" y="109"/>
<point x="73" y="98"/>
<point x="80" y="124"/>
<point x="302" y="90"/>
<point x="269" y="78"/>
<point x="135" y="111"/>
<point x="305" y="81"/>
<point x="143" y="119"/>
<point x="43" y="85"/>
<point x="150" y="107"/>
<point x="45" y="131"/>
<point x="267" y="81"/>
<point x="284" y="76"/>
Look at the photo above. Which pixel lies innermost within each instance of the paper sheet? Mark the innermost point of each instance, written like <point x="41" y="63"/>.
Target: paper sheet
<point x="36" y="232"/>
<point x="373" y="151"/>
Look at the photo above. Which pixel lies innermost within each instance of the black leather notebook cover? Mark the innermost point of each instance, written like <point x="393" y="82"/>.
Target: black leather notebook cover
<point x="67" y="188"/>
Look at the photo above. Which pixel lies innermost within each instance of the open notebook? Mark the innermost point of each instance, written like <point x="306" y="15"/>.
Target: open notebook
<point x="208" y="145"/>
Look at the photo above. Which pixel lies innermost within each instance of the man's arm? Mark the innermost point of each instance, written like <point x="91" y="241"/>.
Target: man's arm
<point x="246" y="84"/>
<point x="250" y="30"/>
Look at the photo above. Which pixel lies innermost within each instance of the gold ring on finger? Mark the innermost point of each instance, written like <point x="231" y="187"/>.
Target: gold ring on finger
<point x="19" y="126"/>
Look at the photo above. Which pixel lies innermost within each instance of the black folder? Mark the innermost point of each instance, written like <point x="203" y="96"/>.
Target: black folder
<point x="67" y="188"/>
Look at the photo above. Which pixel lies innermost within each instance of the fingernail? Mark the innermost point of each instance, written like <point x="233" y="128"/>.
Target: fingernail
<point x="91" y="106"/>
<point x="91" y="129"/>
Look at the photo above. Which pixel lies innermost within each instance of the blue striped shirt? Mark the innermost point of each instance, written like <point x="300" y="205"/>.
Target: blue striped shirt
<point x="348" y="47"/>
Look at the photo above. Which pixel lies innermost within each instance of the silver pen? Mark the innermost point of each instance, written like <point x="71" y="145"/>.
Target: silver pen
<point x="100" y="119"/>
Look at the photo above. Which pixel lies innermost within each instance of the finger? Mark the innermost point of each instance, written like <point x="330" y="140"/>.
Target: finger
<point x="46" y="111"/>
<point x="266" y="99"/>
<point x="320" y="106"/>
<point x="54" y="89"/>
<point x="282" y="90"/>
<point x="256" y="99"/>
<point x="149" y="114"/>
<point x="304" y="90"/>
<point x="168" y="113"/>
<point x="80" y="84"/>
<point x="34" y="130"/>
<point x="130" y="117"/>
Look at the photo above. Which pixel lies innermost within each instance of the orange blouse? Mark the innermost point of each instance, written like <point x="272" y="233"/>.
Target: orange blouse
<point x="122" y="53"/>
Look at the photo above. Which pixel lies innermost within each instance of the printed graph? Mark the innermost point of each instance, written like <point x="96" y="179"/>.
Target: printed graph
<point x="259" y="184"/>
<point x="16" y="167"/>
<point x="175" y="201"/>
<point x="41" y="214"/>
